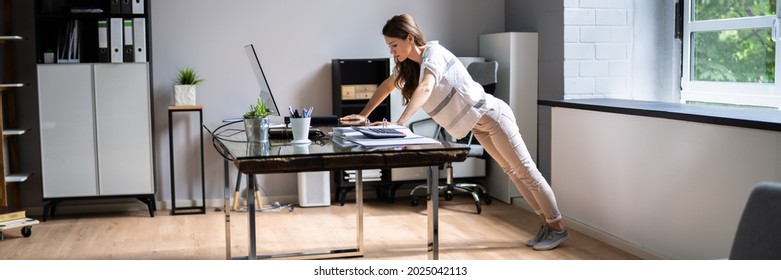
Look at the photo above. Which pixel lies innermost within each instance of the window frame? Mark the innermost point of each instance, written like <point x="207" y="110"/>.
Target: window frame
<point x="743" y="94"/>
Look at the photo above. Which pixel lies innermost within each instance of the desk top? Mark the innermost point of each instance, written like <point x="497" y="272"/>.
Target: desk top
<point x="185" y="107"/>
<point x="325" y="153"/>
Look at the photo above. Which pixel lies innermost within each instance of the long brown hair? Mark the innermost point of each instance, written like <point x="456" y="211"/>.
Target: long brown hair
<point x="401" y="26"/>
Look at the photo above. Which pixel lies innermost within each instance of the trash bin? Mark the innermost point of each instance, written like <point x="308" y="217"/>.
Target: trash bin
<point x="314" y="189"/>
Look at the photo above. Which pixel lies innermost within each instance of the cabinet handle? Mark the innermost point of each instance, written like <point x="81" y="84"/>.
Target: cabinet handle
<point x="11" y="37"/>
<point x="13" y="85"/>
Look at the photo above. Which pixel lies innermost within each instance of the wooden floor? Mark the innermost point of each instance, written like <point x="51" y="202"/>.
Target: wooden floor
<point x="392" y="231"/>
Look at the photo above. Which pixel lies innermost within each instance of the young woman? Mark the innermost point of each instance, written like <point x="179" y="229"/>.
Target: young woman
<point x="431" y="77"/>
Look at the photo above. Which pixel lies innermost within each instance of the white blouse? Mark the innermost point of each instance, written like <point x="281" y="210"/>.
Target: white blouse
<point x="456" y="102"/>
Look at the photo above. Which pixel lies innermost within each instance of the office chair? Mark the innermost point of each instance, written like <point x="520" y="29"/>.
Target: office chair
<point x="484" y="73"/>
<point x="757" y="236"/>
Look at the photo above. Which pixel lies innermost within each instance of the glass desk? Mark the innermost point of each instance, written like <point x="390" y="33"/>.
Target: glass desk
<point x="326" y="154"/>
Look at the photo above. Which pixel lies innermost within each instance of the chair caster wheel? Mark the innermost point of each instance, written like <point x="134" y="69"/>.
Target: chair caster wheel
<point x="448" y="196"/>
<point x="479" y="209"/>
<point x="487" y="199"/>
<point x="414" y="201"/>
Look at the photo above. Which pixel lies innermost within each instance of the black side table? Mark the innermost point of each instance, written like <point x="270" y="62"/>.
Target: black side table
<point x="187" y="210"/>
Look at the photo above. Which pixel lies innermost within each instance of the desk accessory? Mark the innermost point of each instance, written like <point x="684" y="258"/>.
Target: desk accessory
<point x="257" y="123"/>
<point x="327" y="120"/>
<point x="380" y="132"/>
<point x="300" y="127"/>
<point x="299" y="123"/>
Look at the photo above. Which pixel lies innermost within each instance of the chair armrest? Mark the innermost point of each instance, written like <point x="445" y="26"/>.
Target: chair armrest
<point x="414" y="123"/>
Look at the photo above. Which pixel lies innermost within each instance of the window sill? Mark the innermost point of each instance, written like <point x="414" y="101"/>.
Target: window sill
<point x="765" y="119"/>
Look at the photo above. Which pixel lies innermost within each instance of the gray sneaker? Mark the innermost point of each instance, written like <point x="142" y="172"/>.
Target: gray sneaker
<point x="551" y="240"/>
<point x="540" y="234"/>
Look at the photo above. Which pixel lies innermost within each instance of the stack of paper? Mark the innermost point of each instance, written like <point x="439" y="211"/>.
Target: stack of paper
<point x="368" y="175"/>
<point x="352" y="136"/>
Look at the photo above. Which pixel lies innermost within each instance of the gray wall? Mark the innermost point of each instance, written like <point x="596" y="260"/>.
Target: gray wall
<point x="547" y="19"/>
<point x="296" y="40"/>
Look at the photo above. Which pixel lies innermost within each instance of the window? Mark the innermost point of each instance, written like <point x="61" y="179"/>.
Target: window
<point x="730" y="54"/>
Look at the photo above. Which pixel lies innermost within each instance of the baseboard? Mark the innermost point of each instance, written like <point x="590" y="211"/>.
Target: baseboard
<point x="68" y="207"/>
<point x="220" y="203"/>
<point x="81" y="207"/>
<point x="597" y="234"/>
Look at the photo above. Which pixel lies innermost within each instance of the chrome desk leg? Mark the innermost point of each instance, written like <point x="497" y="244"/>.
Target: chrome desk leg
<point x="251" y="215"/>
<point x="433" y="212"/>
<point x="227" y="213"/>
<point x="359" y="205"/>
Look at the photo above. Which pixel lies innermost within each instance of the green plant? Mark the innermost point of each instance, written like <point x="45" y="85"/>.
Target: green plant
<point x="259" y="110"/>
<point x="188" y="76"/>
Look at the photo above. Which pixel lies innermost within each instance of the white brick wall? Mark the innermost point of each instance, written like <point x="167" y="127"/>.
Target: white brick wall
<point x="597" y="48"/>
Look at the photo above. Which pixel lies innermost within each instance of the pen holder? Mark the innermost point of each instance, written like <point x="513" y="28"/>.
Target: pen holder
<point x="300" y="127"/>
<point x="301" y="149"/>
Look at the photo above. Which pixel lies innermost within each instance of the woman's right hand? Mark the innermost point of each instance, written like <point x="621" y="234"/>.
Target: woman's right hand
<point x="353" y="119"/>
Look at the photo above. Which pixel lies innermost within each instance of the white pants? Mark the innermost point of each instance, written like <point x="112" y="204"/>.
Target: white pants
<point x="500" y="136"/>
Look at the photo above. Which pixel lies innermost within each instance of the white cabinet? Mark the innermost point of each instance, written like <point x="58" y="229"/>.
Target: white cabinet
<point x="516" y="53"/>
<point x="95" y="130"/>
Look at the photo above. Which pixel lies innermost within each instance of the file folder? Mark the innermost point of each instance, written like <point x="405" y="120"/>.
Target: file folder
<point x="139" y="39"/>
<point x="138" y="6"/>
<point x="126" y="6"/>
<point x="115" y="40"/>
<point x="103" y="50"/>
<point x="116" y="7"/>
<point x="127" y="31"/>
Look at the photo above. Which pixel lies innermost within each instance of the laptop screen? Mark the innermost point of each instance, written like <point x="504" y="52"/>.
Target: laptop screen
<point x="265" y="91"/>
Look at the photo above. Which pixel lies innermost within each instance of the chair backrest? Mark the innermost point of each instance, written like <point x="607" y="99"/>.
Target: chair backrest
<point x="484" y="73"/>
<point x="758" y="236"/>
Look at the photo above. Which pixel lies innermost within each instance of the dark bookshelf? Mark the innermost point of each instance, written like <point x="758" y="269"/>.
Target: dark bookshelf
<point x="54" y="16"/>
<point x="360" y="72"/>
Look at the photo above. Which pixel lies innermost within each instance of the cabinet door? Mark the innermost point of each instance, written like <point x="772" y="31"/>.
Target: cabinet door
<point x="123" y="128"/>
<point x="67" y="131"/>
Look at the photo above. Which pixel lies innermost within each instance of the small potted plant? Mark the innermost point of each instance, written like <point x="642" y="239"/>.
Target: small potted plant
<point x="256" y="122"/>
<point x="184" y="90"/>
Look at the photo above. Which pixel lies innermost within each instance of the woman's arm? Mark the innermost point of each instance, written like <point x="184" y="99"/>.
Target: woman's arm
<point x="379" y="95"/>
<point x="419" y="97"/>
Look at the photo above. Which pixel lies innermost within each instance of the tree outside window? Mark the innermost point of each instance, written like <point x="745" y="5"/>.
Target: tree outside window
<point x="729" y="52"/>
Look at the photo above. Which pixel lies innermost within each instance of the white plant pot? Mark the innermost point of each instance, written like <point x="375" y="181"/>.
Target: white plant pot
<point x="184" y="95"/>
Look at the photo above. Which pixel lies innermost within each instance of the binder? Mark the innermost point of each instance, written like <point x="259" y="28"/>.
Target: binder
<point x="126" y="6"/>
<point x="139" y="39"/>
<point x="103" y="50"/>
<point x="138" y="6"/>
<point x="127" y="49"/>
<point x="116" y="6"/>
<point x="115" y="40"/>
